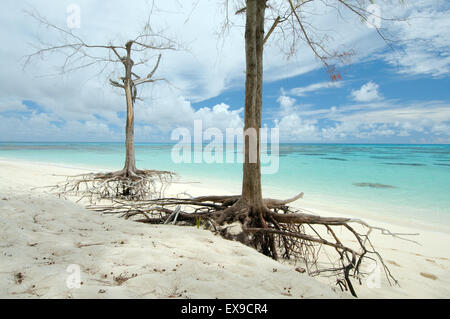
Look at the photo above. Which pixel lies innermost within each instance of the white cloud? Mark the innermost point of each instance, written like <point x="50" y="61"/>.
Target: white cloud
<point x="286" y="104"/>
<point x="367" y="93"/>
<point x="210" y="65"/>
<point x="387" y="119"/>
<point x="165" y="111"/>
<point x="301" y="91"/>
<point x="42" y="127"/>
<point x="426" y="113"/>
<point x="441" y="129"/>
<point x="424" y="45"/>
<point x="292" y="126"/>
<point x="11" y="105"/>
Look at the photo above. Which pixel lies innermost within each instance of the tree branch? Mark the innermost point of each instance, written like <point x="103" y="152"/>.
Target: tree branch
<point x="149" y="76"/>
<point x="116" y="84"/>
<point x="274" y="25"/>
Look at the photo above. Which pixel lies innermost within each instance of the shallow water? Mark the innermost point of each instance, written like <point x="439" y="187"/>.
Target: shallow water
<point x="414" y="179"/>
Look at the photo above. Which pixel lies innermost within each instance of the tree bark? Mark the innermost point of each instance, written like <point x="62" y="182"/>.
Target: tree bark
<point x="254" y="39"/>
<point x="130" y="162"/>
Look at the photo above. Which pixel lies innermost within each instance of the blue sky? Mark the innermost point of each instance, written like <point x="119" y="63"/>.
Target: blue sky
<point x="389" y="88"/>
<point x="386" y="95"/>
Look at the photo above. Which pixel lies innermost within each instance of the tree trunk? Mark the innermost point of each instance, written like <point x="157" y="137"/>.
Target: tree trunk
<point x="130" y="162"/>
<point x="254" y="38"/>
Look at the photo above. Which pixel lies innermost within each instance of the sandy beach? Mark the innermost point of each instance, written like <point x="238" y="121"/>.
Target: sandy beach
<point x="42" y="235"/>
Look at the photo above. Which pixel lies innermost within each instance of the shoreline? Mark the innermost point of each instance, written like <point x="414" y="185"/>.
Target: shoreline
<point x="317" y="208"/>
<point x="422" y="270"/>
<point x="200" y="183"/>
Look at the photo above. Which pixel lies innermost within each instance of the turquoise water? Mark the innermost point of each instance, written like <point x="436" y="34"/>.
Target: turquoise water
<point x="409" y="181"/>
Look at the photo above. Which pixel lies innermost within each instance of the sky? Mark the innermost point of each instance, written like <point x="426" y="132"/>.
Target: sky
<point x="395" y="92"/>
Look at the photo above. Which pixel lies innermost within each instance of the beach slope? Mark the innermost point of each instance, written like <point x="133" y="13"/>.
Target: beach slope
<point x="44" y="240"/>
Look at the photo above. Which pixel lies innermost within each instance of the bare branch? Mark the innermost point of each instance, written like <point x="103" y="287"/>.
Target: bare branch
<point x="310" y="43"/>
<point x="240" y="11"/>
<point x="116" y="84"/>
<point x="274" y="25"/>
<point x="148" y="78"/>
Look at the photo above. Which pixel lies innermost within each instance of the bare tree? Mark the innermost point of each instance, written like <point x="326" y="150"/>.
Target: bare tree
<point x="129" y="182"/>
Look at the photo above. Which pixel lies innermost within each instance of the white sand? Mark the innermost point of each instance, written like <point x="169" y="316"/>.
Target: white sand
<point x="40" y="236"/>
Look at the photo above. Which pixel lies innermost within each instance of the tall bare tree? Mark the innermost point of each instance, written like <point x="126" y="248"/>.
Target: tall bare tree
<point x="130" y="182"/>
<point x="286" y="15"/>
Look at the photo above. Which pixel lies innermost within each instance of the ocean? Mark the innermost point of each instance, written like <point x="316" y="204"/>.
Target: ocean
<point x="403" y="181"/>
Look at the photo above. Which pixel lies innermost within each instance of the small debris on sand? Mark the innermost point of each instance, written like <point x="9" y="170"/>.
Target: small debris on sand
<point x="429" y="276"/>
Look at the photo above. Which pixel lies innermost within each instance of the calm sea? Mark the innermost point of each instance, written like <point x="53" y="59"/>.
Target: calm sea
<point x="405" y="181"/>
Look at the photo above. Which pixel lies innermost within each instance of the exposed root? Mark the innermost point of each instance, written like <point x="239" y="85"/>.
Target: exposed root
<point x="273" y="229"/>
<point x="124" y="185"/>
<point x="274" y="203"/>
